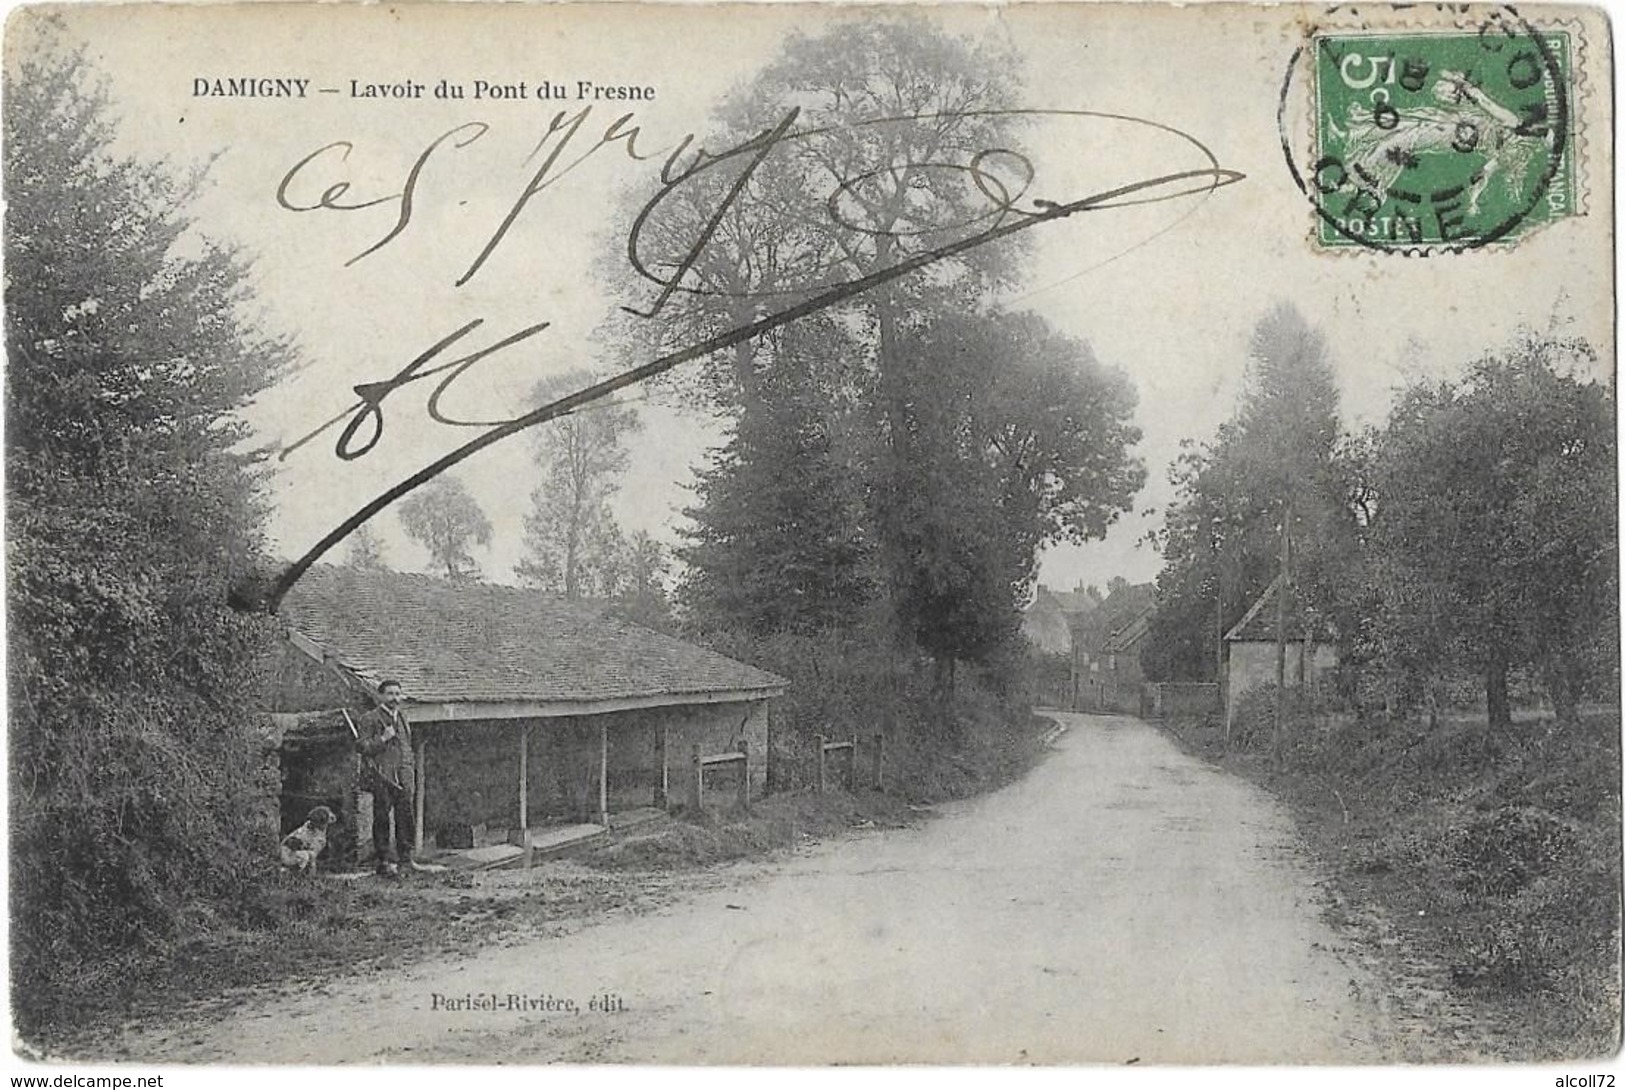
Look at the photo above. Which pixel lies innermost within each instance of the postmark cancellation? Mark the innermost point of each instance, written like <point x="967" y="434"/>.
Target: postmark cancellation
<point x="1424" y="139"/>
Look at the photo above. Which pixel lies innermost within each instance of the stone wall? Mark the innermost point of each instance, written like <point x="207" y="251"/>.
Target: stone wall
<point x="1164" y="699"/>
<point x="1252" y="663"/>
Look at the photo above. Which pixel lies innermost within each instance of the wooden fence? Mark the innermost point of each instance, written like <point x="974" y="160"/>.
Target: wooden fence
<point x="847" y="748"/>
<point x="1162" y="699"/>
<point x="696" y="783"/>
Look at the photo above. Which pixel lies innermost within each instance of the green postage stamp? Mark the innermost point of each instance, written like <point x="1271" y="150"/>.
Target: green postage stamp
<point x="1433" y="141"/>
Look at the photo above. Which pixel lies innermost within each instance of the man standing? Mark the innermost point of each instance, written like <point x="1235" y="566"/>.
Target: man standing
<point x="384" y="738"/>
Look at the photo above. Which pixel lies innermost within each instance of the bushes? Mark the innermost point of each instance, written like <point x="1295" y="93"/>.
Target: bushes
<point x="140" y="813"/>
<point x="1500" y="853"/>
<point x="944" y="739"/>
<point x="135" y="768"/>
<point x="1253" y="726"/>
<point x="1497" y="851"/>
<point x="1554" y="934"/>
<point x="1540" y="903"/>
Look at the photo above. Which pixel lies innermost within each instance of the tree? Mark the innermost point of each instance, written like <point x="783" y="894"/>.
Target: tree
<point x="857" y="524"/>
<point x="892" y="100"/>
<point x="1277" y="467"/>
<point x="642" y="598"/>
<point x="366" y="551"/>
<point x="445" y="519"/>
<point x="130" y="514"/>
<point x="779" y="540"/>
<point x="1494" y="538"/>
<point x="891" y="113"/>
<point x="572" y="544"/>
<point x="1018" y="437"/>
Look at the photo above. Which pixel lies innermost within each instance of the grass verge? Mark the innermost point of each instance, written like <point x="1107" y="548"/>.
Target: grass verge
<point x="300" y="931"/>
<point x="1495" y="855"/>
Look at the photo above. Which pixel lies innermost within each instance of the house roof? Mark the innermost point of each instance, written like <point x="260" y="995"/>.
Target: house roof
<point x="461" y="643"/>
<point x="1129" y="634"/>
<point x="1122" y="609"/>
<point x="1258" y="624"/>
<point x="1074" y="601"/>
<point x="1047" y="630"/>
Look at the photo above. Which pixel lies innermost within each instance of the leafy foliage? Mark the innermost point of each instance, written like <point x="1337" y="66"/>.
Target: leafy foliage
<point x="643" y="599"/>
<point x="365" y="551"/>
<point x="446" y="519"/>
<point x="131" y="513"/>
<point x="1278" y="458"/>
<point x="572" y="544"/>
<point x="1494" y="541"/>
<point x="1016" y="438"/>
<point x="780" y="539"/>
<point x="896" y="462"/>
<point x="882" y="105"/>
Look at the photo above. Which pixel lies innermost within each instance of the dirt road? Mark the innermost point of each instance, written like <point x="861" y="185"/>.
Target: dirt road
<point x="1123" y="901"/>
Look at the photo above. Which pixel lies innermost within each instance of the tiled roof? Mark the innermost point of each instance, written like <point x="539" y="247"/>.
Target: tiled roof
<point x="1047" y="630"/>
<point x="1258" y="625"/>
<point x="458" y="642"/>
<point x="1121" y="609"/>
<point x="1074" y="601"/>
<point x="1124" y="638"/>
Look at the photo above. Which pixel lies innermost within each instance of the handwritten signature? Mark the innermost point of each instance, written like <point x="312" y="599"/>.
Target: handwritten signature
<point x="1001" y="176"/>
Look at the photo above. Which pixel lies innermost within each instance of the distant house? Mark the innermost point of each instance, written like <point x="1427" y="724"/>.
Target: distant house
<point x="1123" y="678"/>
<point x="1106" y="650"/>
<point x="1251" y="649"/>
<point x="525" y="709"/>
<point x="1044" y="624"/>
<point x="1048" y="622"/>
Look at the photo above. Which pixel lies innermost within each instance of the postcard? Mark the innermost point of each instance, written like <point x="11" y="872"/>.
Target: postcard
<point x="811" y="534"/>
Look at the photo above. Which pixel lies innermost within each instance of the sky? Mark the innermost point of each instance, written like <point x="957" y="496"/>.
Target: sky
<point x="1168" y="293"/>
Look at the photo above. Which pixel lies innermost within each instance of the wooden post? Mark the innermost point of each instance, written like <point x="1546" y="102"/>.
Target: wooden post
<point x="696" y="788"/>
<point x="1280" y="639"/>
<point x="852" y="766"/>
<point x="818" y="773"/>
<point x="524" y="775"/>
<point x="1218" y="628"/>
<point x="769" y="772"/>
<point x="417" y="795"/>
<point x="603" y="773"/>
<point x="744" y="781"/>
<point x="663" y="788"/>
<point x="880" y="761"/>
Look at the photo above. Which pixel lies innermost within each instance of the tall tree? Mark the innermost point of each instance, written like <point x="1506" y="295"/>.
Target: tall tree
<point x="891" y="114"/>
<point x="365" y="551"/>
<point x="779" y="539"/>
<point x="1018" y="437"/>
<point x="892" y="101"/>
<point x="1277" y="463"/>
<point x="130" y="515"/>
<point x="1494" y="538"/>
<point x="572" y="544"/>
<point x="642" y="597"/>
<point x="445" y="519"/>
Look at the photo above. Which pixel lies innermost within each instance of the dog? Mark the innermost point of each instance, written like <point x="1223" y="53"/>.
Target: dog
<point x="301" y="847"/>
